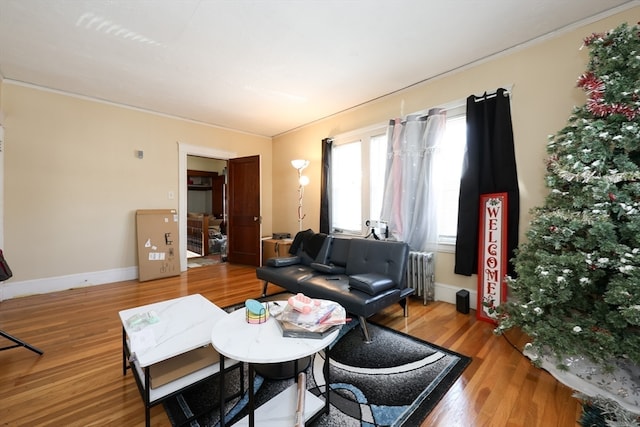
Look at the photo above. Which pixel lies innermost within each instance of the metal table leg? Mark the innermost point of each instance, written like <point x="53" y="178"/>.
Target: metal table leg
<point x="252" y="404"/>
<point x="221" y="391"/>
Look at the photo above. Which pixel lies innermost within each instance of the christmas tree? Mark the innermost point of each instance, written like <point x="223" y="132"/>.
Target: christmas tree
<point x="577" y="284"/>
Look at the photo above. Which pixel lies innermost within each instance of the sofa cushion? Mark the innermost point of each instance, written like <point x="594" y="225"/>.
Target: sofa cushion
<point x="370" y="283"/>
<point x="339" y="251"/>
<point x="388" y="258"/>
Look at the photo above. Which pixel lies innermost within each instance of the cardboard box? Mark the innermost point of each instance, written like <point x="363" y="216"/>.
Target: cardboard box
<point x="158" y="249"/>
<point x="275" y="248"/>
<point x="177" y="367"/>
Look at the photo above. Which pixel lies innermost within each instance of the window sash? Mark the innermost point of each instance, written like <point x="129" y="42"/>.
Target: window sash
<point x="358" y="167"/>
<point x="346" y="187"/>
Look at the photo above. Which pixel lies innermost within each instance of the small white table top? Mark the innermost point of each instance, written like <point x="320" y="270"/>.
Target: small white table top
<point x="233" y="337"/>
<point x="184" y="324"/>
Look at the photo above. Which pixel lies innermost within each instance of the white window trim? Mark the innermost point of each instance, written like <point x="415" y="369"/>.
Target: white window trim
<point x="343" y="138"/>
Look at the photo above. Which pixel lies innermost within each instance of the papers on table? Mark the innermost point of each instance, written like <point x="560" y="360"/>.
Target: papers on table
<point x="320" y="322"/>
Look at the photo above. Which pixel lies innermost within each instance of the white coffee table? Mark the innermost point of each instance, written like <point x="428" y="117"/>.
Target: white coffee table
<point x="263" y="343"/>
<point x="184" y="324"/>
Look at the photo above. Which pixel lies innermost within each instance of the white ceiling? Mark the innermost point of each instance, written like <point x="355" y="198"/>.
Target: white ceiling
<point x="263" y="66"/>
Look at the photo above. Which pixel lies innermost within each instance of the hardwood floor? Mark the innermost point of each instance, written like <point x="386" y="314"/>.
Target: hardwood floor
<point x="79" y="382"/>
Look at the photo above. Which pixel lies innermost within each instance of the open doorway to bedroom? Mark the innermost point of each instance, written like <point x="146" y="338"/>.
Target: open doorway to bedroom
<point x="206" y="211"/>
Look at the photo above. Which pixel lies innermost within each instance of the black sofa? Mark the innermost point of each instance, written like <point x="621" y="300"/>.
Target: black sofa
<point x="364" y="276"/>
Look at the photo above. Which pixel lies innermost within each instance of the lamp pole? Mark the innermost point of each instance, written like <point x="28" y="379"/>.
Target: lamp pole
<point x="299" y="165"/>
<point x="300" y="197"/>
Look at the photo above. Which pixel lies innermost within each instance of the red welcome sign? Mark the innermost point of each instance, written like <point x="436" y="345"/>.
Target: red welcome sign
<point x="492" y="255"/>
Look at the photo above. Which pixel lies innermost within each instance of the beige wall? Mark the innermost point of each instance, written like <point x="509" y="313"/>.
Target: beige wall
<point x="543" y="76"/>
<point x="73" y="181"/>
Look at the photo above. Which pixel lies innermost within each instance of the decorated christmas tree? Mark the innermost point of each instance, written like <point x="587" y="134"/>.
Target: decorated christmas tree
<point x="577" y="284"/>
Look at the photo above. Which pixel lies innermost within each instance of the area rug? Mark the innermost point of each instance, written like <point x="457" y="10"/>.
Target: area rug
<point x="394" y="381"/>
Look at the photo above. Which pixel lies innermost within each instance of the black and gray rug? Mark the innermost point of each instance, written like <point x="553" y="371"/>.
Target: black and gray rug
<point x="394" y="381"/>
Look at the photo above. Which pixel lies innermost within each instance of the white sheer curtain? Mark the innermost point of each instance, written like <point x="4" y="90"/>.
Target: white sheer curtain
<point x="410" y="195"/>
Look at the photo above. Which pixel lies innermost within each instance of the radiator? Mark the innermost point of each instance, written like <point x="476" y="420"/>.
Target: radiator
<point x="421" y="274"/>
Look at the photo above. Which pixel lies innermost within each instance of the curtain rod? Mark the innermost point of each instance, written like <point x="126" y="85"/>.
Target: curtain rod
<point x="489" y="95"/>
<point x="461" y="102"/>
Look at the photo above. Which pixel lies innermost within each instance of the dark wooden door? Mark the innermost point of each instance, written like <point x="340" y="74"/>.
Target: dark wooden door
<point x="244" y="210"/>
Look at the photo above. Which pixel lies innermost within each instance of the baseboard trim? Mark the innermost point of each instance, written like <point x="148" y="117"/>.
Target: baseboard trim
<point x="9" y="290"/>
<point x="447" y="293"/>
<point x="443" y="291"/>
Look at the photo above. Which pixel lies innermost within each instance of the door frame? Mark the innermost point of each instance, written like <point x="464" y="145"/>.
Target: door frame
<point x="185" y="150"/>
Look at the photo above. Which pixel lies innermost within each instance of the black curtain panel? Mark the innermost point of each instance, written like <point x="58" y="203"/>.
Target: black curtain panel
<point x="489" y="167"/>
<point x="325" y="187"/>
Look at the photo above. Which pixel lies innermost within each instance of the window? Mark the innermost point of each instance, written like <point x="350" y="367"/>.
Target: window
<point x="346" y="177"/>
<point x="358" y="166"/>
<point x="358" y="170"/>
<point x="448" y="172"/>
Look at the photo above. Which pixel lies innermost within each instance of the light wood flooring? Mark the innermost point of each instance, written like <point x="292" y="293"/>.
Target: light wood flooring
<point x="79" y="382"/>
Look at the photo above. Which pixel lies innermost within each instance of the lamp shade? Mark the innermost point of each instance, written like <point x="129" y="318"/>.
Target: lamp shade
<point x="299" y="164"/>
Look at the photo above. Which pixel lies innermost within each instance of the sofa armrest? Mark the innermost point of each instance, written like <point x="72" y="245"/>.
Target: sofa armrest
<point x="327" y="268"/>
<point x="283" y="262"/>
<point x="370" y="283"/>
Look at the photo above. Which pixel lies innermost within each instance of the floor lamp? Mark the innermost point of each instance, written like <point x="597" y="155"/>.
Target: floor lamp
<point x="303" y="180"/>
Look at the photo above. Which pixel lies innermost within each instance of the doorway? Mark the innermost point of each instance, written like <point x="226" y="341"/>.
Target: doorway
<point x="207" y="216"/>
<point x="187" y="151"/>
<point x="243" y="198"/>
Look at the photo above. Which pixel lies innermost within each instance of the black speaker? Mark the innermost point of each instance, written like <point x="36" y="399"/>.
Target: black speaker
<point x="462" y="301"/>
